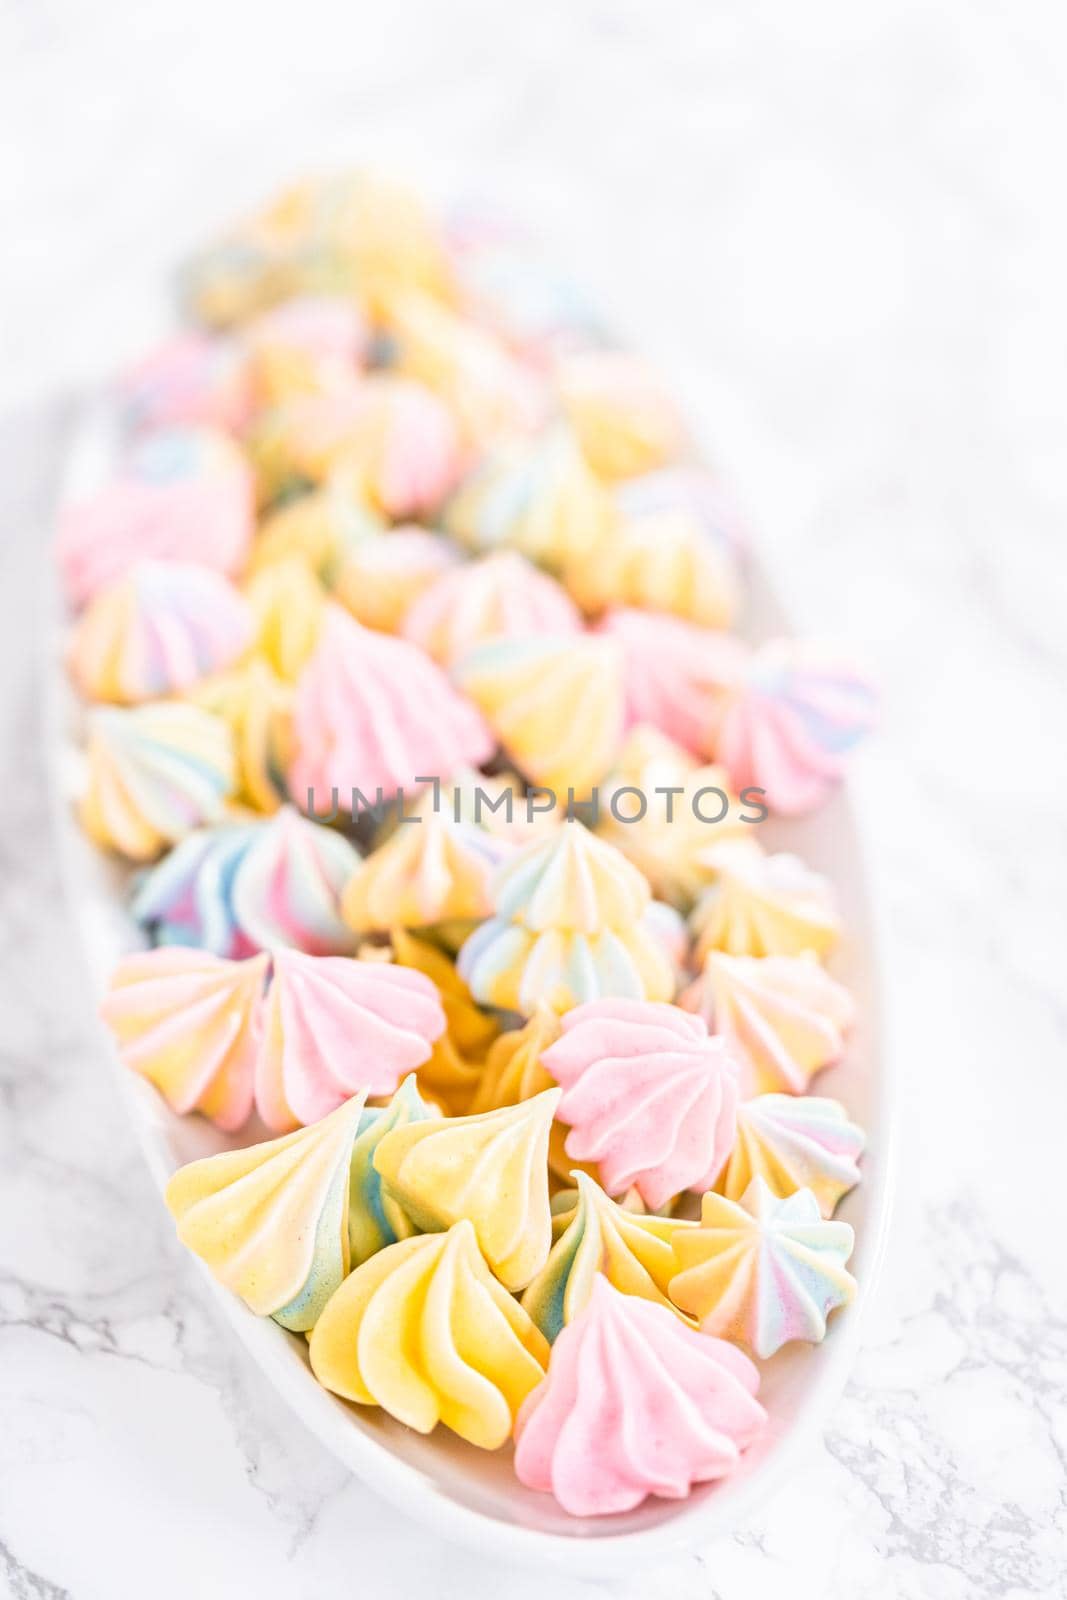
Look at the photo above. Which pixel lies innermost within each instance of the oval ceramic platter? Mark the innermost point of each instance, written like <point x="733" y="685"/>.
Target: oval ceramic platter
<point x="463" y="1493"/>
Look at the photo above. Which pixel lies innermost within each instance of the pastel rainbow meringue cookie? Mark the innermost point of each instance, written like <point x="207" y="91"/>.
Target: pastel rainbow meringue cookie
<point x="594" y="1236"/>
<point x="425" y="1331"/>
<point x="187" y="1021"/>
<point x="783" y="1018"/>
<point x="678" y="677"/>
<point x="247" y="886"/>
<point x="795" y="1142"/>
<point x="333" y="1027"/>
<point x="257" y="707"/>
<point x="155" y="772"/>
<point x="490" y="1169"/>
<point x="625" y="420"/>
<point x="372" y="712"/>
<point x="513" y="1071"/>
<point x="568" y="926"/>
<point x="308" y="344"/>
<point x="763" y="1270"/>
<point x="191" y="380"/>
<point x="383" y="575"/>
<point x="317" y="527"/>
<point x="648" y="1096"/>
<point x="271" y="1222"/>
<point x="375" y="1220"/>
<point x="790" y="723"/>
<point x="535" y="496"/>
<point x="157" y="631"/>
<point x="554" y="702"/>
<point x="454" y="1071"/>
<point x="635" y="1404"/>
<point x="499" y="596"/>
<point x="286" y="601"/>
<point x="182" y="494"/>
<point x="763" y="905"/>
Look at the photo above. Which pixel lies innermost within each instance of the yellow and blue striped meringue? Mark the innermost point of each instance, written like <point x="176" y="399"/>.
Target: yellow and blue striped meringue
<point x="625" y="420"/>
<point x="257" y="707"/>
<point x="424" y="1330"/>
<point x="763" y="905"/>
<point x="794" y="1142"/>
<point x="156" y="772"/>
<point x="374" y="1218"/>
<point x="286" y="600"/>
<point x="271" y="1222"/>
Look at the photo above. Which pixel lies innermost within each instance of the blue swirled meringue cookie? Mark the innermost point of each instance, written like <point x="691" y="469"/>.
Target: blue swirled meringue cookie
<point x="248" y="886"/>
<point x="375" y="1219"/>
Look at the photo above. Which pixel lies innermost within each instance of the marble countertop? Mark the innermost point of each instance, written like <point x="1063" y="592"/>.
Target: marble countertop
<point x="837" y="227"/>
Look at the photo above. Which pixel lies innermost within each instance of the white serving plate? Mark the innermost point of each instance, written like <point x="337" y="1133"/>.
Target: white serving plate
<point x="464" y="1494"/>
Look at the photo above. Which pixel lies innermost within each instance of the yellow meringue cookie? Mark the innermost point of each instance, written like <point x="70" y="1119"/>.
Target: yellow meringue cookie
<point x="761" y="905"/>
<point x="271" y="1222"/>
<point x="384" y="574"/>
<point x="794" y="1142"/>
<point x="429" y="871"/>
<point x="257" y="707"/>
<point x="425" y="1331"/>
<point x="490" y="1168"/>
<point x="374" y="1218"/>
<point x="454" y="1069"/>
<point x="319" y="527"/>
<point x="625" y="421"/>
<point x="513" y="1072"/>
<point x="286" y="599"/>
<point x="662" y="562"/>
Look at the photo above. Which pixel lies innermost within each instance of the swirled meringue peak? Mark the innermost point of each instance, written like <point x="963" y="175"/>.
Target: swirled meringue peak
<point x="568" y="926"/>
<point x="491" y="1169"/>
<point x="424" y="1330"/>
<point x="555" y="703"/>
<point x="764" y="1270"/>
<point x="317" y="527"/>
<point x="257" y="707"/>
<point x="384" y="574"/>
<point x="535" y="496"/>
<point x="677" y="676"/>
<point x="374" y="1219"/>
<point x="157" y="631"/>
<point x="286" y="600"/>
<point x="594" y="1235"/>
<point x="763" y="905"/>
<point x="783" y="1017"/>
<point x="271" y="1222"/>
<point x="634" y="1404"/>
<point x="334" y="1027"/>
<point x="183" y="494"/>
<point x="250" y="886"/>
<point x="647" y="1095"/>
<point x="789" y="725"/>
<point x="156" y="772"/>
<point x="186" y="1021"/>
<point x="191" y="380"/>
<point x="454" y="1070"/>
<point x="795" y="1142"/>
<point x="500" y="596"/>
<point x="373" y="712"/>
<point x="625" y="420"/>
<point x="309" y="344"/>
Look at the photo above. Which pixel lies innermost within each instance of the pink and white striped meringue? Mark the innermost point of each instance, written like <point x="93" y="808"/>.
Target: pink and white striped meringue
<point x="374" y="712"/>
<point x="676" y="675"/>
<point x="648" y="1096"/>
<point x="635" y="1403"/>
<point x="334" y="1027"/>
<point x="501" y="596"/>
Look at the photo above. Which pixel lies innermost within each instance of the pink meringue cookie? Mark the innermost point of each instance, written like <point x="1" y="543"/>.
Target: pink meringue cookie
<point x="634" y="1404"/>
<point x="649" y="1097"/>
<point x="190" y="380"/>
<point x="676" y="675"/>
<point x="790" y="722"/>
<point x="374" y="712"/>
<point x="333" y="1028"/>
<point x="501" y="596"/>
<point x="185" y="494"/>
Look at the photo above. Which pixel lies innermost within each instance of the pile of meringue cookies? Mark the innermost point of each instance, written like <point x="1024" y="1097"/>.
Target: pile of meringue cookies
<point x="524" y="1047"/>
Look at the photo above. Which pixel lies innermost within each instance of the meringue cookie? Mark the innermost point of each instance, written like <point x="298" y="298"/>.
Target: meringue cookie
<point x="156" y="772"/>
<point x="555" y="702"/>
<point x="537" y="497"/>
<point x="783" y="1017"/>
<point x="310" y="344"/>
<point x="271" y="1222"/>
<point x="625" y="421"/>
<point x="593" y="1236"/>
<point x="243" y="887"/>
<point x="795" y="1142"/>
<point x="513" y="1071"/>
<point x="762" y="905"/>
<point x="788" y="727"/>
<point x="375" y="1220"/>
<point x="567" y="927"/>
<point x="634" y="1404"/>
<point x="333" y="1027"/>
<point x="186" y="1021"/>
<point x="257" y="707"/>
<point x="454" y="1070"/>
<point x="764" y="1271"/>
<point x="678" y="677"/>
<point x="157" y="631"/>
<point x="425" y="1331"/>
<point x="384" y="574"/>
<point x="372" y="712"/>
<point x="191" y="380"/>
<point x="318" y="527"/>
<point x="429" y="871"/>
<point x="647" y="1095"/>
<point x="489" y="1168"/>
<point x="183" y="494"/>
<point x="286" y="600"/>
<point x="500" y="596"/>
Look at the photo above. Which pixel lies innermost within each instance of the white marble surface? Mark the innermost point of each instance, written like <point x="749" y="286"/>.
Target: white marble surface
<point x="840" y="229"/>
